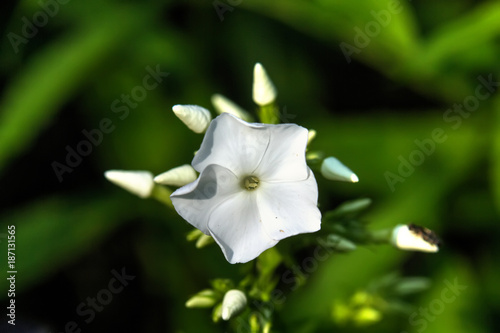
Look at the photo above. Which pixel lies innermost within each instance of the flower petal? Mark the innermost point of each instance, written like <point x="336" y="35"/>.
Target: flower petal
<point x="289" y="208"/>
<point x="234" y="144"/>
<point x="284" y="159"/>
<point x="238" y="229"/>
<point x="195" y="201"/>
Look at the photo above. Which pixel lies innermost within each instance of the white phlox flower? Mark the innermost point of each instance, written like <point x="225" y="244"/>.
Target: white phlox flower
<point x="254" y="188"/>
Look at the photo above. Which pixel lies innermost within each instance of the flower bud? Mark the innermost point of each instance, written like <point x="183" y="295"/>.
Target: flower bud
<point x="264" y="91"/>
<point x="340" y="243"/>
<point x="178" y="176"/>
<point x="139" y="183"/>
<point x="414" y="238"/>
<point x="204" y="240"/>
<point x="195" y="117"/>
<point x="367" y="315"/>
<point x="204" y="299"/>
<point x="233" y="303"/>
<point x="333" y="169"/>
<point x="310" y="136"/>
<point x="222" y="104"/>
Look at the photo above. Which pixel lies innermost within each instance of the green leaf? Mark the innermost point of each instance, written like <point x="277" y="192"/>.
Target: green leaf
<point x="53" y="75"/>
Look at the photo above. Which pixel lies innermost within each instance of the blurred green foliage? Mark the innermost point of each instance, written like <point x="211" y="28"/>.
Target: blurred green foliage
<point x="371" y="77"/>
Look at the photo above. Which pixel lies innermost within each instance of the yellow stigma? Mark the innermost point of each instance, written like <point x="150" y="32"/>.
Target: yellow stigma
<point x="251" y="183"/>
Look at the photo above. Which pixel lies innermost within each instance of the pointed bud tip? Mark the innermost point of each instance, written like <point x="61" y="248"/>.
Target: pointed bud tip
<point x="179" y="176"/>
<point x="333" y="169"/>
<point x="195" y="117"/>
<point x="139" y="183"/>
<point x="223" y="104"/>
<point x="264" y="91"/>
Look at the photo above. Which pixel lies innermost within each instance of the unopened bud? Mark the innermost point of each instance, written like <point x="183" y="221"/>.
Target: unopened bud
<point x="222" y="104"/>
<point x="178" y="176"/>
<point x="414" y="238"/>
<point x="264" y="91"/>
<point x="204" y="299"/>
<point x="233" y="303"/>
<point x="139" y="183"/>
<point x="333" y="169"/>
<point x="195" y="117"/>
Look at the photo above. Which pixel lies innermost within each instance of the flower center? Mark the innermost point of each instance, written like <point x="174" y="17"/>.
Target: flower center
<point x="251" y="183"/>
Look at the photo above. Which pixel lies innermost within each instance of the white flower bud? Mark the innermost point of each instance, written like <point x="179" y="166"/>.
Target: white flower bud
<point x="233" y="303"/>
<point x="195" y="117"/>
<point x="139" y="183"/>
<point x="264" y="91"/>
<point x="222" y="104"/>
<point x="414" y="238"/>
<point x="178" y="176"/>
<point x="333" y="169"/>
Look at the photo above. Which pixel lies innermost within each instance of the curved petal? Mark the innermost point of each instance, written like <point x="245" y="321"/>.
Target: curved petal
<point x="233" y="144"/>
<point x="284" y="159"/>
<point x="238" y="229"/>
<point x="289" y="208"/>
<point x="195" y="201"/>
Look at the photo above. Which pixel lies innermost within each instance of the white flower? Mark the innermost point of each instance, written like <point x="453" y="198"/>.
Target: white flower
<point x="333" y="169"/>
<point x="178" y="176"/>
<point x="139" y="183"/>
<point x="233" y="303"/>
<point x="254" y="188"/>
<point x="195" y="117"/>
<point x="414" y="238"/>
<point x="264" y="91"/>
<point x="222" y="104"/>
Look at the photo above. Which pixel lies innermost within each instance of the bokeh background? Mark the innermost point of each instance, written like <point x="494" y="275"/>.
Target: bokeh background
<point x="371" y="77"/>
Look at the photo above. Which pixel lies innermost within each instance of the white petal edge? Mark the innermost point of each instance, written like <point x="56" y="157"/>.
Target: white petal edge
<point x="284" y="159"/>
<point x="264" y="91"/>
<point x="195" y="201"/>
<point x="234" y="144"/>
<point x="238" y="229"/>
<point x="289" y="208"/>
<point x="333" y="169"/>
<point x="139" y="183"/>
<point x="179" y="176"/>
<point x="195" y="117"/>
